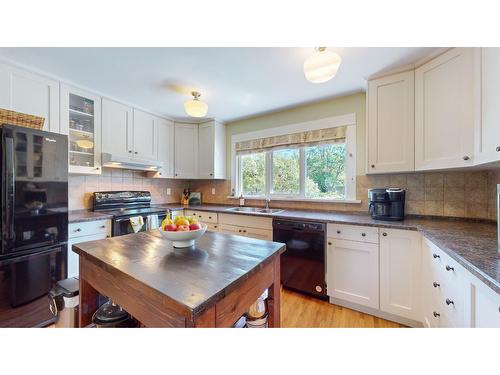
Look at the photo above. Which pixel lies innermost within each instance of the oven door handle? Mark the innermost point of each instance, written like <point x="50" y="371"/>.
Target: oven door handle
<point x="127" y="219"/>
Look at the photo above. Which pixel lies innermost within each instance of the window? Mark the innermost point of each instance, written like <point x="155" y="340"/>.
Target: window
<point x="325" y="171"/>
<point x="286" y="172"/>
<point x="316" y="172"/>
<point x="253" y="178"/>
<point x="315" y="160"/>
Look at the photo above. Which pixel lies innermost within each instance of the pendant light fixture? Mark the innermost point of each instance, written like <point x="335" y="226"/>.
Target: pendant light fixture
<point x="322" y="65"/>
<point x="195" y="107"/>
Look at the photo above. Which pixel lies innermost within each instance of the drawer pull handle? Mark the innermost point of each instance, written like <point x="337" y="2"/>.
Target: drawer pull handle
<point x="449" y="268"/>
<point x="449" y="302"/>
<point x="329" y="244"/>
<point x="215" y="226"/>
<point x="435" y="256"/>
<point x="239" y="230"/>
<point x="209" y="217"/>
<point x="78" y="229"/>
<point x="244" y="230"/>
<point x="466" y="157"/>
<point x="363" y="234"/>
<point x="436" y="314"/>
<point x="435" y="284"/>
<point x="498" y="149"/>
<point x="373" y="165"/>
<point x="384" y="234"/>
<point x="103" y="226"/>
<point x="338" y="231"/>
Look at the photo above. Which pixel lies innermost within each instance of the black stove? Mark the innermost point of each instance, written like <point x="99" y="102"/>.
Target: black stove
<point x="126" y="204"/>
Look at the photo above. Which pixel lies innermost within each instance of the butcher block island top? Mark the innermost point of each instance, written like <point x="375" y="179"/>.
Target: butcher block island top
<point x="208" y="285"/>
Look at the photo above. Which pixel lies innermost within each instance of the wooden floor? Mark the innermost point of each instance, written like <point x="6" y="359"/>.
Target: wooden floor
<point x="299" y="311"/>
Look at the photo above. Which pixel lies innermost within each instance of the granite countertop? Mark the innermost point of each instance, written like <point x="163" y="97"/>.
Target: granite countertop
<point x="80" y="216"/>
<point x="194" y="278"/>
<point x="473" y="244"/>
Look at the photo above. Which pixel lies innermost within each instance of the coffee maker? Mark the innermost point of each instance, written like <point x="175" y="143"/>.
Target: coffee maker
<point x="387" y="204"/>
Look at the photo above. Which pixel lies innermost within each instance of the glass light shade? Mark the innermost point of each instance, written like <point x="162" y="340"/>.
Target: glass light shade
<point x="84" y="143"/>
<point x="196" y="108"/>
<point x="321" y="66"/>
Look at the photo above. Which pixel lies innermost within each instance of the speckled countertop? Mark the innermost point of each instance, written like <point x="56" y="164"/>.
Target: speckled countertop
<point x="471" y="243"/>
<point x="79" y="216"/>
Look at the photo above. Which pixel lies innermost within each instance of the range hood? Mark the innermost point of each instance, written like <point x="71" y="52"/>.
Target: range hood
<point x="115" y="161"/>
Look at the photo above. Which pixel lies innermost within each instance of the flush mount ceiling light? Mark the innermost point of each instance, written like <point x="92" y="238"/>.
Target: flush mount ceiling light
<point x="322" y="65"/>
<point x="195" y="107"/>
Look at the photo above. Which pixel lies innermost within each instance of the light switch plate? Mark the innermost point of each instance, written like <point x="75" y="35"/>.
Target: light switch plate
<point x="213" y="191"/>
<point x="169" y="191"/>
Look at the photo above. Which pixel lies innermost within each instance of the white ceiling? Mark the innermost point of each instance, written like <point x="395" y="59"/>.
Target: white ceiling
<point x="234" y="82"/>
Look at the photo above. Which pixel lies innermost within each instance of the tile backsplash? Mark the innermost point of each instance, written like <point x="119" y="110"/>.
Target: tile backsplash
<point x="82" y="187"/>
<point x="459" y="194"/>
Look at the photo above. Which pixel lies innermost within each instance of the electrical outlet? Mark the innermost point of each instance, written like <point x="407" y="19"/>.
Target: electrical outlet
<point x="169" y="191"/>
<point x="213" y="191"/>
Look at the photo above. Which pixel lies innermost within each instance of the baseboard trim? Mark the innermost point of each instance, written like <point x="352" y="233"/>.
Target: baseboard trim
<point x="377" y="313"/>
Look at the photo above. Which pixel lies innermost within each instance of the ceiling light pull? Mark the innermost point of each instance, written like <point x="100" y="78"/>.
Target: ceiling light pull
<point x="195" y="107"/>
<point x="322" y="65"/>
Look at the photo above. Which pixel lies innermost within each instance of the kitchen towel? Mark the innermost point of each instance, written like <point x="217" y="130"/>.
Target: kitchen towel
<point x="152" y="222"/>
<point x="137" y="223"/>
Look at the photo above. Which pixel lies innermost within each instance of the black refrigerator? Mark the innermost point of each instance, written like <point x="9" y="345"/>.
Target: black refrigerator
<point x="34" y="224"/>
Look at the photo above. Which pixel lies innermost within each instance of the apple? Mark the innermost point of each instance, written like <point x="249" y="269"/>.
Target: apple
<point x="195" y="226"/>
<point x="183" y="228"/>
<point x="171" y="228"/>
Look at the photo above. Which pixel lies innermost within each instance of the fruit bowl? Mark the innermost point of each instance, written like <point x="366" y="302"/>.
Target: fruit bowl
<point x="183" y="238"/>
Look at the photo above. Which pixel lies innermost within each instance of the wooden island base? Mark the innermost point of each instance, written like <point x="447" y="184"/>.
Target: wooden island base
<point x="154" y="309"/>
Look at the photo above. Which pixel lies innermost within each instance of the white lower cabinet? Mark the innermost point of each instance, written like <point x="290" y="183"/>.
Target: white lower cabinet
<point x="482" y="307"/>
<point x="400" y="273"/>
<point x="83" y="232"/>
<point x="352" y="272"/>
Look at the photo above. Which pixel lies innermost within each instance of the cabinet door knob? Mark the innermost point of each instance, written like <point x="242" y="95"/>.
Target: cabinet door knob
<point x="498" y="149"/>
<point x="211" y="174"/>
<point x="176" y="174"/>
<point x="239" y="230"/>
<point x="363" y="234"/>
<point x="435" y="256"/>
<point x="244" y="230"/>
<point x="435" y="284"/>
<point x="135" y="152"/>
<point x="436" y="314"/>
<point x="466" y="157"/>
<point x="209" y="217"/>
<point x="103" y="226"/>
<point x="449" y="268"/>
<point x="384" y="234"/>
<point x="129" y="151"/>
<point x="338" y="232"/>
<point x="449" y="302"/>
<point x="373" y="165"/>
<point x="78" y="229"/>
<point x="329" y="244"/>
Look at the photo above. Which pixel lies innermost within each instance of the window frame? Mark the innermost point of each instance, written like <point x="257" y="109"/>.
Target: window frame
<point x="350" y="164"/>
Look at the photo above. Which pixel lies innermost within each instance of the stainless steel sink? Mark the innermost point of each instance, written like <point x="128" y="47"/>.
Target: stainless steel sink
<point x="255" y="210"/>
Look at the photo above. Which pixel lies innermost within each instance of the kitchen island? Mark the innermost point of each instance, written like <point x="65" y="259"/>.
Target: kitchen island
<point x="211" y="284"/>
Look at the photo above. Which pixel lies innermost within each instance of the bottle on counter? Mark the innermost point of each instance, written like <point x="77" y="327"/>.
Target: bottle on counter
<point x="242" y="200"/>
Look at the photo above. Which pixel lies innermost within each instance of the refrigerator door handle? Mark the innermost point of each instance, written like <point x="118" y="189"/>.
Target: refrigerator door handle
<point x="9" y="188"/>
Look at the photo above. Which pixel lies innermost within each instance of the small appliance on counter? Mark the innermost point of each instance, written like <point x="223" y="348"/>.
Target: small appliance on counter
<point x="194" y="198"/>
<point x="387" y="204"/>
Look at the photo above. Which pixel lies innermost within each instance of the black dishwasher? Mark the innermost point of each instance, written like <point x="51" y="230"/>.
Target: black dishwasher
<point x="303" y="262"/>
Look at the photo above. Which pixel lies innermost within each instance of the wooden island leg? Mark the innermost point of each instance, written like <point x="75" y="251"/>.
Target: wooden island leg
<point x="89" y="298"/>
<point x="273" y="302"/>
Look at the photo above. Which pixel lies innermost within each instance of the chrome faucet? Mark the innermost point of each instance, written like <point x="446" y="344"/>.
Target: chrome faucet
<point x="268" y="200"/>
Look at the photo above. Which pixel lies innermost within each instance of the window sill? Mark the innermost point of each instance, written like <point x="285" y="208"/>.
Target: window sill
<point x="354" y="201"/>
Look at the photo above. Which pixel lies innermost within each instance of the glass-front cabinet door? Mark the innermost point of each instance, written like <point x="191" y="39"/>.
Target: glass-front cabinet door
<point x="81" y="121"/>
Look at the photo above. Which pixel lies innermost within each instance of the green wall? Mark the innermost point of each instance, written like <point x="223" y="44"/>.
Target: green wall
<point x="354" y="103"/>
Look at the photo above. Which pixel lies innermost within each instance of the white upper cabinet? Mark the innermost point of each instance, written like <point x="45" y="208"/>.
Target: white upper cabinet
<point x="30" y="93"/>
<point x="186" y="150"/>
<point x="211" y="150"/>
<point x="117" y="129"/>
<point x="390" y="127"/>
<point x="447" y="100"/>
<point x="165" y="147"/>
<point x="81" y="121"/>
<point x="400" y="273"/>
<point x="144" y="130"/>
<point x="488" y="132"/>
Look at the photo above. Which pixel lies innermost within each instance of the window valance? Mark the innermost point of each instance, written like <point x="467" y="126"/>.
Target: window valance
<point x="328" y="135"/>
